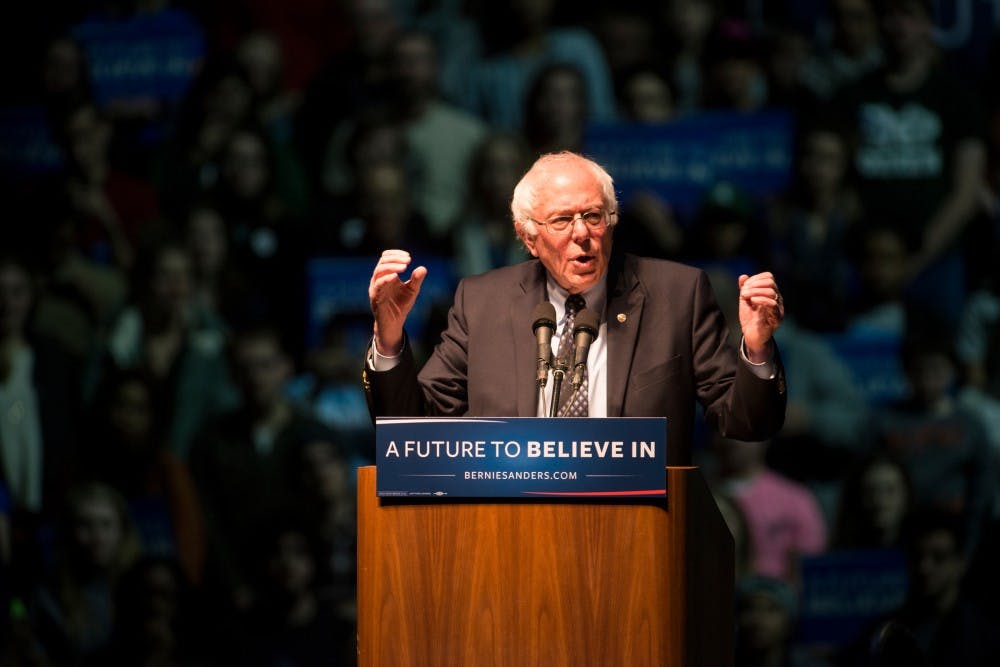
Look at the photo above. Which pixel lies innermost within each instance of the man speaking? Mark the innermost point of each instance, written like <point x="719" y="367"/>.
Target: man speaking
<point x="624" y="336"/>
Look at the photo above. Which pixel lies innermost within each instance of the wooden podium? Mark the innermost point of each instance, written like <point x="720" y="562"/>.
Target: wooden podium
<point x="547" y="584"/>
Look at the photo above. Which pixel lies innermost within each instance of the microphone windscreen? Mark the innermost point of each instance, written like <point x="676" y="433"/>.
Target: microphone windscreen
<point x="544" y="315"/>
<point x="587" y="320"/>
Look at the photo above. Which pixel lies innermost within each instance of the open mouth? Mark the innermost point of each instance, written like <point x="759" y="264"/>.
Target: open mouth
<point x="583" y="261"/>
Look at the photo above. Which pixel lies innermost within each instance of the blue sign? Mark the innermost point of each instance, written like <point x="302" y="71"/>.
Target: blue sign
<point x="151" y="55"/>
<point x="843" y="592"/>
<point x="339" y="286"/>
<point x="518" y="457"/>
<point x="873" y="359"/>
<point x="681" y="159"/>
<point x="27" y="147"/>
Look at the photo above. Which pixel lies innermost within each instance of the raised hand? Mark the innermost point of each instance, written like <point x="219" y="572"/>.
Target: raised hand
<point x="761" y="312"/>
<point x="392" y="298"/>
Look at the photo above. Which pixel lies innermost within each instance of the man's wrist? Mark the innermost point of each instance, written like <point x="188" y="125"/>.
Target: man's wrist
<point x="377" y="361"/>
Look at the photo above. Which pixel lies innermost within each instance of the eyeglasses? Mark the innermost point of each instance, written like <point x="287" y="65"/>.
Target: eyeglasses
<point x="561" y="223"/>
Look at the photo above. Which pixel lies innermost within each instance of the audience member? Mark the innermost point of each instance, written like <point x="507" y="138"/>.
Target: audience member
<point x="371" y="137"/>
<point x="219" y="288"/>
<point x="646" y="95"/>
<point x="686" y="25"/>
<point x="156" y="620"/>
<point x="220" y="101"/>
<point x="72" y="610"/>
<point x="628" y="38"/>
<point x="112" y="207"/>
<point x="875" y="504"/>
<point x="180" y="348"/>
<point x="786" y="50"/>
<point x="382" y="215"/>
<point x="520" y="42"/>
<point x="330" y="510"/>
<point x="260" y="56"/>
<point x="241" y="454"/>
<point x="724" y="234"/>
<point x="260" y="195"/>
<point x="977" y="347"/>
<point x="734" y="71"/>
<point x="943" y="447"/>
<point x="327" y="388"/>
<point x="78" y="296"/>
<point x="920" y="157"/>
<point x="854" y="49"/>
<point x="39" y="400"/>
<point x="354" y="80"/>
<point x="950" y="630"/>
<point x="440" y="138"/>
<point x="126" y="450"/>
<point x="784" y="518"/>
<point x="556" y="111"/>
<point x="40" y="403"/>
<point x="880" y="259"/>
<point x="65" y="75"/>
<point x="766" y="609"/>
<point x="293" y="623"/>
<point x="811" y="228"/>
<point x="481" y="235"/>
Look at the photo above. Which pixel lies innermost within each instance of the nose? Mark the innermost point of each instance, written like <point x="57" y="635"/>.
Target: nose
<point x="580" y="231"/>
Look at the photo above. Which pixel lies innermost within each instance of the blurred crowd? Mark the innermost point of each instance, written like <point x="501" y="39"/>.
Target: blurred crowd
<point x="179" y="428"/>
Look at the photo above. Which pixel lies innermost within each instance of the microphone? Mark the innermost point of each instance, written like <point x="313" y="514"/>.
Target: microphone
<point x="543" y="325"/>
<point x="584" y="332"/>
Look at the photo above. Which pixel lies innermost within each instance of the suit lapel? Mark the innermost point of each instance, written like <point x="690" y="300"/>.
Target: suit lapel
<point x="521" y="309"/>
<point x="624" y="314"/>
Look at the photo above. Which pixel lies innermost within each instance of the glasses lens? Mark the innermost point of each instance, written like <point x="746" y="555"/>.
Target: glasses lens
<point x="592" y="219"/>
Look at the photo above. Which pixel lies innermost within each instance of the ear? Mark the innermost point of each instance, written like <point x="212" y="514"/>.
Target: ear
<point x="529" y="243"/>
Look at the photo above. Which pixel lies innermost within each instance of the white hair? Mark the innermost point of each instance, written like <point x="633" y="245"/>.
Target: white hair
<point x="526" y="192"/>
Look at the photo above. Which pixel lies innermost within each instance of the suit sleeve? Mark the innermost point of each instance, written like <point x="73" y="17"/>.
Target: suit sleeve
<point x="738" y="403"/>
<point x="394" y="393"/>
<point x="442" y="385"/>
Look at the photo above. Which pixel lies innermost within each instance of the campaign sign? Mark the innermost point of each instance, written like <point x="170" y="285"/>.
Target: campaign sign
<point x="843" y="592"/>
<point x="873" y="357"/>
<point x="519" y="457"/>
<point x="681" y="159"/>
<point x="339" y="285"/>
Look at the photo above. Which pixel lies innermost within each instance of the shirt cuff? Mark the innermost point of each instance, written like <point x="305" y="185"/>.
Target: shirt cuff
<point x="764" y="370"/>
<point x="379" y="362"/>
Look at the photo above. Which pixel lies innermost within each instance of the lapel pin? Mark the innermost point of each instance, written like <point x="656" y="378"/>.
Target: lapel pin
<point x="622" y="317"/>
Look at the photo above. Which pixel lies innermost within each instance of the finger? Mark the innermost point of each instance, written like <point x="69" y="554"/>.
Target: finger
<point x="417" y="278"/>
<point x="768" y="292"/>
<point x="396" y="254"/>
<point x="768" y="287"/>
<point x="764" y="301"/>
<point x="389" y="269"/>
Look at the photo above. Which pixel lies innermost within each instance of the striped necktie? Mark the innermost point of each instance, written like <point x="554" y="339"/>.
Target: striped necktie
<point x="572" y="403"/>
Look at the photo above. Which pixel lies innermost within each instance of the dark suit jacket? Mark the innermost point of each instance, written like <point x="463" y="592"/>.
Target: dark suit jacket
<point x="667" y="347"/>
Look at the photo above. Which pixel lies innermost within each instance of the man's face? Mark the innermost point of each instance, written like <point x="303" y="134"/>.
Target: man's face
<point x="937" y="566"/>
<point x="415" y="66"/>
<point x="577" y="257"/>
<point x="262" y="369"/>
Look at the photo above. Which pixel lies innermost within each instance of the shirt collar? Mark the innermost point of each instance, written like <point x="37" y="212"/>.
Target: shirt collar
<point x="595" y="297"/>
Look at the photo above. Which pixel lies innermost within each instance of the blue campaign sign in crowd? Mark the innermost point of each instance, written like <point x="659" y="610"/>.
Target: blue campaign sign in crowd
<point x="682" y="159"/>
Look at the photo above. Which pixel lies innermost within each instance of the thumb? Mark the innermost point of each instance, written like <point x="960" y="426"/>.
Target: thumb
<point x="417" y="278"/>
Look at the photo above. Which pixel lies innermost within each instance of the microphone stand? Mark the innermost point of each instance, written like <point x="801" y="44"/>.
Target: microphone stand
<point x="558" y="374"/>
